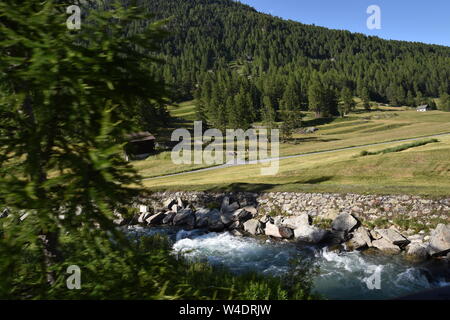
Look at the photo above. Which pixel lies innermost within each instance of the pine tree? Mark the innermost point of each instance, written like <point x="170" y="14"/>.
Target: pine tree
<point x="347" y="103"/>
<point x="444" y="102"/>
<point x="268" y="113"/>
<point x="365" y="97"/>
<point x="69" y="105"/>
<point x="317" y="98"/>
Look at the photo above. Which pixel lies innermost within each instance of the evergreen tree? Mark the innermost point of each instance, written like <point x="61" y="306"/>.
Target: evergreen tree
<point x="444" y="102"/>
<point x="268" y="113"/>
<point x="317" y="98"/>
<point x="347" y="103"/>
<point x="365" y="97"/>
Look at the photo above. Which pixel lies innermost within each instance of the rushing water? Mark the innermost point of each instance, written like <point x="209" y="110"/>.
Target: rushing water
<point x="343" y="275"/>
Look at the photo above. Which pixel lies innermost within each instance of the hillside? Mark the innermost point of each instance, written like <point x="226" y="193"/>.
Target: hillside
<point x="223" y="35"/>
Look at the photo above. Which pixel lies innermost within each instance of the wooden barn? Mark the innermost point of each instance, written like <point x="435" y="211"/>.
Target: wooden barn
<point x="140" y="145"/>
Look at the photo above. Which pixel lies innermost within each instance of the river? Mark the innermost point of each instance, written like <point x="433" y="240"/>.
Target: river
<point x="343" y="275"/>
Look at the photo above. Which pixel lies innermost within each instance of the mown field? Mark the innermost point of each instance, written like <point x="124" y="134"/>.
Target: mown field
<point x="422" y="170"/>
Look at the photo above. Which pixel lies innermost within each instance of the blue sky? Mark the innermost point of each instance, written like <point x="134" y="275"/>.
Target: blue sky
<point x="411" y="20"/>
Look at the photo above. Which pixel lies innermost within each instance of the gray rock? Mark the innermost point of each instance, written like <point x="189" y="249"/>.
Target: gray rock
<point x="180" y="202"/>
<point x="375" y="235"/>
<point x="285" y="232"/>
<point x="276" y="231"/>
<point x="393" y="236"/>
<point x="252" y="210"/>
<point x="344" y="222"/>
<point x="241" y="215"/>
<point x="235" y="225"/>
<point x="310" y="234"/>
<point x="175" y="208"/>
<point x="168" y="219"/>
<point x="156" y="219"/>
<point x="440" y="240"/>
<point x="184" y="218"/>
<point x="143" y="216"/>
<point x="360" y="239"/>
<point x="278" y="220"/>
<point x="226" y="207"/>
<point x="386" y="246"/>
<point x="143" y="208"/>
<point x="417" y="252"/>
<point x="201" y="217"/>
<point x="297" y="221"/>
<point x="215" y="221"/>
<point x="264" y="219"/>
<point x="272" y="230"/>
<point x="169" y="203"/>
<point x="253" y="226"/>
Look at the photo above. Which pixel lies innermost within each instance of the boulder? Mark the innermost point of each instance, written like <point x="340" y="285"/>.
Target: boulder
<point x="276" y="231"/>
<point x="375" y="235"/>
<point x="241" y="215"/>
<point x="168" y="219"/>
<point x="310" y="234"/>
<point x="143" y="209"/>
<point x="184" y="217"/>
<point x="361" y="239"/>
<point x="285" y="232"/>
<point x="252" y="210"/>
<point x="215" y="223"/>
<point x="272" y="230"/>
<point x="156" y="219"/>
<point x="169" y="203"/>
<point x="253" y="226"/>
<point x="226" y="207"/>
<point x="440" y="240"/>
<point x="386" y="246"/>
<point x="235" y="225"/>
<point x="227" y="218"/>
<point x="180" y="202"/>
<point x="201" y="218"/>
<point x="278" y="220"/>
<point x="417" y="252"/>
<point x="264" y="219"/>
<point x="393" y="236"/>
<point x="175" y="208"/>
<point x="344" y="222"/>
<point x="143" y="216"/>
<point x="297" y="221"/>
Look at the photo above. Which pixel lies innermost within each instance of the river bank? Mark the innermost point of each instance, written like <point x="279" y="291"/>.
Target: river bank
<point x="359" y="257"/>
<point x="417" y="227"/>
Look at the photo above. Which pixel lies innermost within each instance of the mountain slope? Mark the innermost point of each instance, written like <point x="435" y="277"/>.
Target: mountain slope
<point x="226" y="35"/>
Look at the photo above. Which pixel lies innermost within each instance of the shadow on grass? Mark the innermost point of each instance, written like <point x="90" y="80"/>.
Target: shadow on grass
<point x="263" y="187"/>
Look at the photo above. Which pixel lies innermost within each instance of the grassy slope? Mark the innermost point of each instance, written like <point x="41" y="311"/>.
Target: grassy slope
<point x="422" y="170"/>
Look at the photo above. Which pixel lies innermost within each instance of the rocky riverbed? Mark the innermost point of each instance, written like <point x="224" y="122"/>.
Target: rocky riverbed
<point x="343" y="230"/>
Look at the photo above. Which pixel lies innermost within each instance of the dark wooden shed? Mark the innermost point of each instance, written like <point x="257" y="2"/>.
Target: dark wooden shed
<point x="140" y="144"/>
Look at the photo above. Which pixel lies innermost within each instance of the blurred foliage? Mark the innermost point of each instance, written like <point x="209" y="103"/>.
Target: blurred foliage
<point x="67" y="99"/>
